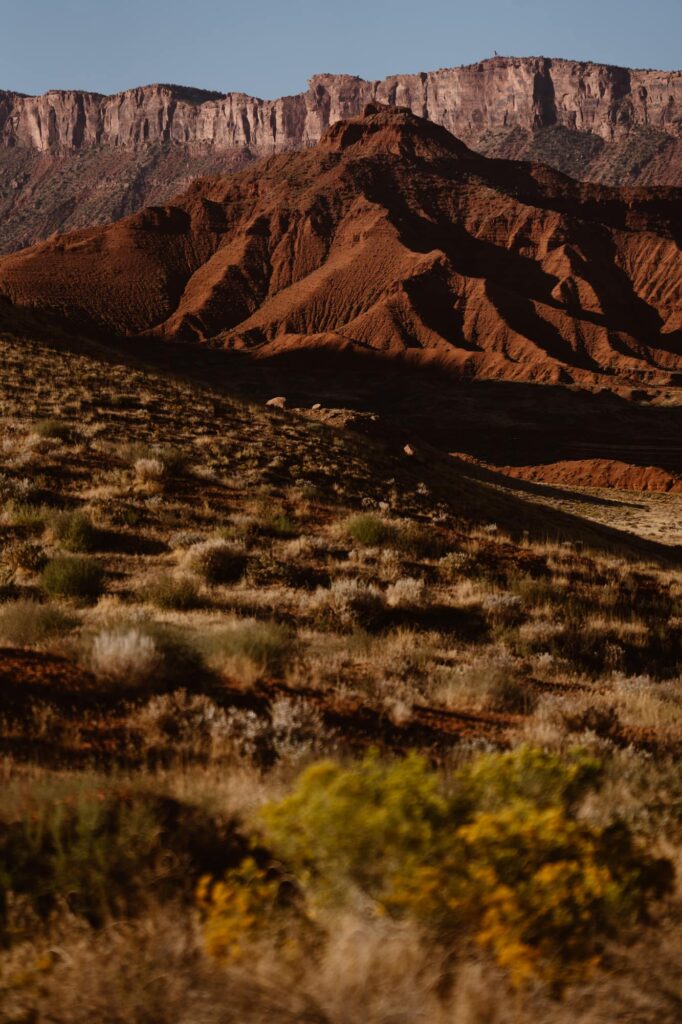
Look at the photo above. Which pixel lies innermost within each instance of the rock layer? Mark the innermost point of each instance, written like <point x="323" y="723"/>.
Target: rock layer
<point x="390" y="234"/>
<point x="72" y="158"/>
<point x="526" y="93"/>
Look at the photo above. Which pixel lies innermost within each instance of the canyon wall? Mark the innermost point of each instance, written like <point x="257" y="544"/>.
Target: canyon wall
<point x="525" y="93"/>
<point x="68" y="159"/>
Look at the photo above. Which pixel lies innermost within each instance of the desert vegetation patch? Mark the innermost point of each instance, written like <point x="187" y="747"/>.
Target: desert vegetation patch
<point x="296" y="726"/>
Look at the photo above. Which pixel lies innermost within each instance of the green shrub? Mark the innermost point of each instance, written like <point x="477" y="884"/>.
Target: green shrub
<point x="53" y="428"/>
<point x="527" y="773"/>
<point x="25" y="622"/>
<point x="369" y="530"/>
<point x="109" y="854"/>
<point x="264" y="646"/>
<point x="453" y="566"/>
<point x="216" y="561"/>
<point x="352" y="825"/>
<point x="172" y="593"/>
<point x="70" y="576"/>
<point x="75" y="531"/>
<point x="27" y="514"/>
<point x="500" y="853"/>
<point x="281" y="527"/>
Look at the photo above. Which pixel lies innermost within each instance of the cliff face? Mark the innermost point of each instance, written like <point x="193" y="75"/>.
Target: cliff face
<point x="68" y="159"/>
<point x="525" y="93"/>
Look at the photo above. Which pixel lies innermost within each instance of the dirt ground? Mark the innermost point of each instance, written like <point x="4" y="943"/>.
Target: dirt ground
<point x="651" y="515"/>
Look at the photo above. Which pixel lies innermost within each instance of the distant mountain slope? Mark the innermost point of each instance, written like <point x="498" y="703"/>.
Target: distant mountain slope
<point x="391" y="235"/>
<point x="71" y="159"/>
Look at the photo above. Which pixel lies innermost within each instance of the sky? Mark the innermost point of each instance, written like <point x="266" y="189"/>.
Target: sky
<point x="270" y="48"/>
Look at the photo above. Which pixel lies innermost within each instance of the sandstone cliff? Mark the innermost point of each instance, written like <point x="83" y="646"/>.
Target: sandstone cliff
<point x="524" y="93"/>
<point x="72" y="158"/>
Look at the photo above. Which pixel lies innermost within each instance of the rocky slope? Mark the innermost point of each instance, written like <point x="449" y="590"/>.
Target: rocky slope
<point x="68" y="159"/>
<point x="390" y="235"/>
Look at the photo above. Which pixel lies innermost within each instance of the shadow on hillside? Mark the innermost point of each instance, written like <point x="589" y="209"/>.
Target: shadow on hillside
<point x="495" y="496"/>
<point x="501" y="422"/>
<point x="425" y="404"/>
<point x="512" y="483"/>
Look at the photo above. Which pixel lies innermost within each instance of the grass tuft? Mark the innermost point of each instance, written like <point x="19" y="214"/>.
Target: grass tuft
<point x="216" y="561"/>
<point x="369" y="530"/>
<point x="75" y="531"/>
<point x="70" y="576"/>
<point x="262" y="647"/>
<point x="24" y="622"/>
<point x="172" y="593"/>
<point x="53" y="428"/>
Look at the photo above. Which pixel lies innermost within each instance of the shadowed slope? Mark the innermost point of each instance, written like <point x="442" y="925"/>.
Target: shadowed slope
<point x="389" y="235"/>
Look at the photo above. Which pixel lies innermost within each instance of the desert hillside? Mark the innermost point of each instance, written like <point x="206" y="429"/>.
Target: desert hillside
<point x="233" y="636"/>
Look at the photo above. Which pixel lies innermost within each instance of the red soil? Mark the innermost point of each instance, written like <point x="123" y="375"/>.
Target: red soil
<point x="391" y="235"/>
<point x="32" y="676"/>
<point x="595" y="473"/>
<point x="27" y="676"/>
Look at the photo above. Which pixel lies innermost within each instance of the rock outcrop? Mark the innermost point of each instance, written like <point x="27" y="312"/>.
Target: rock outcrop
<point x="68" y="159"/>
<point x="392" y="235"/>
<point x="525" y="93"/>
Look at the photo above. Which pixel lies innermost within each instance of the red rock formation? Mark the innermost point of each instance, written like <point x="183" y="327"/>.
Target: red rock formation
<point x="593" y="121"/>
<point x="391" y="234"/>
<point x="600" y="473"/>
<point x="504" y="92"/>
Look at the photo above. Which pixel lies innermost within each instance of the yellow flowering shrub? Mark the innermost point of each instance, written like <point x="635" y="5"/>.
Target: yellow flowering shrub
<point x="359" y="825"/>
<point x="237" y="908"/>
<point x="539" y="889"/>
<point x="499" y="853"/>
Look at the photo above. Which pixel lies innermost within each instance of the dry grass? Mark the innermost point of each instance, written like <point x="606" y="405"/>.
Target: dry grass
<point x="376" y="971"/>
<point x="271" y="592"/>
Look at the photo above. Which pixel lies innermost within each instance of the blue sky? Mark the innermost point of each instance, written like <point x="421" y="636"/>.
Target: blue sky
<point x="271" y="48"/>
